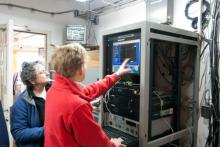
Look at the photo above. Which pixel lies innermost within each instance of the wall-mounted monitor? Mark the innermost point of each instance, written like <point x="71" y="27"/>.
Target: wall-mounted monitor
<point x="75" y="33"/>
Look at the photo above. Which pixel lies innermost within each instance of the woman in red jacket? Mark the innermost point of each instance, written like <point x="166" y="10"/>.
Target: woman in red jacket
<point x="69" y="120"/>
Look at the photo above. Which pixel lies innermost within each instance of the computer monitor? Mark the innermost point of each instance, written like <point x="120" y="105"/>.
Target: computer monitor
<point x="75" y="33"/>
<point x="126" y="49"/>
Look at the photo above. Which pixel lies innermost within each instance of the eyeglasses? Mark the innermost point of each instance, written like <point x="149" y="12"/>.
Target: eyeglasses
<point x="43" y="72"/>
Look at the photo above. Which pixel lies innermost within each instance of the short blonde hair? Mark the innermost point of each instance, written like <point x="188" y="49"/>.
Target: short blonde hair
<point x="67" y="59"/>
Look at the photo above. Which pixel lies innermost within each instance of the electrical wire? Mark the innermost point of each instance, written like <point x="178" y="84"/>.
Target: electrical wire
<point x="161" y="110"/>
<point x="195" y="19"/>
<point x="95" y="35"/>
<point x="106" y="100"/>
<point x="115" y="4"/>
<point x="204" y="50"/>
<point x="203" y="75"/>
<point x="36" y="10"/>
<point x="164" y="54"/>
<point x="166" y="61"/>
<point x="163" y="75"/>
<point x="213" y="101"/>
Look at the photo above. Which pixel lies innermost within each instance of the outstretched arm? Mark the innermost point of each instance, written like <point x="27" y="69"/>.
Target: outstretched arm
<point x="98" y="88"/>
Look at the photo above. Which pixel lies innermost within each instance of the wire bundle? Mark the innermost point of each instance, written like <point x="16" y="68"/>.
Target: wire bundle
<point x="210" y="54"/>
<point x="195" y="19"/>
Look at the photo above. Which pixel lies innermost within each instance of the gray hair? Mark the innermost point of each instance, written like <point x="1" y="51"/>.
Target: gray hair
<point x="28" y="73"/>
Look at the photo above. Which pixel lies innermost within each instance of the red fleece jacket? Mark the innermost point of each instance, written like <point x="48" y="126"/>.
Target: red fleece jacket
<point x="69" y="120"/>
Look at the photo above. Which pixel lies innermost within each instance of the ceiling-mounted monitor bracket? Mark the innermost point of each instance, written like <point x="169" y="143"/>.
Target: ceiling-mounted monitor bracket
<point x="88" y="15"/>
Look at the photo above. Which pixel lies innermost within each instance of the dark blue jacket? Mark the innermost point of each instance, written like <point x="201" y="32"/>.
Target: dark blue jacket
<point x="4" y="141"/>
<point x="25" y="122"/>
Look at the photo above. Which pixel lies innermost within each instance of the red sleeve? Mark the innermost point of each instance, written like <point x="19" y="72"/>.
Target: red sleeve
<point x="86" y="131"/>
<point x="98" y="88"/>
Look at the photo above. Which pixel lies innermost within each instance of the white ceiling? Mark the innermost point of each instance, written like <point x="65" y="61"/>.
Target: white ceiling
<point x="65" y="5"/>
<point x="93" y="7"/>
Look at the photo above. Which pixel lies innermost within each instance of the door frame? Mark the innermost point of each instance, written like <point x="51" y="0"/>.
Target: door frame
<point x="7" y="98"/>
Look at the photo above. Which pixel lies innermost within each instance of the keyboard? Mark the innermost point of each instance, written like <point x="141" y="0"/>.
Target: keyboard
<point x="128" y="140"/>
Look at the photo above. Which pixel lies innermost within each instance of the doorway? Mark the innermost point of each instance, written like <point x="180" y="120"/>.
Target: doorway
<point x="28" y="46"/>
<point x="17" y="46"/>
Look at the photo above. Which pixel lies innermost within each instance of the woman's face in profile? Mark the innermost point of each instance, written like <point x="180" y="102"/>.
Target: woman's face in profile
<point x="42" y="75"/>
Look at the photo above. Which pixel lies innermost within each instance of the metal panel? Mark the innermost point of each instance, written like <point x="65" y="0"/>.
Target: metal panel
<point x="172" y="39"/>
<point x="177" y="39"/>
<point x="161" y="11"/>
<point x="123" y="28"/>
<point x="172" y="29"/>
<point x="170" y="138"/>
<point x="146" y="35"/>
<point x="144" y="58"/>
<point x="144" y="91"/>
<point x="196" y="95"/>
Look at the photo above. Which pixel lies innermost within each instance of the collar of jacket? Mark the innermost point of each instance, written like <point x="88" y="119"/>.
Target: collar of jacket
<point x="28" y="97"/>
<point x="75" y="87"/>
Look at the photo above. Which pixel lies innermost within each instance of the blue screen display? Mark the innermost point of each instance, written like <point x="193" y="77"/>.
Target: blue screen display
<point x="123" y="50"/>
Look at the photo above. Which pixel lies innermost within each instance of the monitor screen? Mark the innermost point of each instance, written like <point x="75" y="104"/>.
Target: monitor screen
<point x="126" y="49"/>
<point x="76" y="33"/>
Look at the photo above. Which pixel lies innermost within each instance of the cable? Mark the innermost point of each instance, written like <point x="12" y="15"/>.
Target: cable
<point x="36" y="10"/>
<point x="215" y="114"/>
<point x="95" y="35"/>
<point x="164" y="60"/>
<point x="173" y="145"/>
<point x="203" y="75"/>
<point x="195" y="19"/>
<point x="105" y="100"/>
<point x="115" y="4"/>
<point x="204" y="50"/>
<point x="167" y="123"/>
<point x="161" y="110"/>
<point x="162" y="74"/>
<point x="191" y="137"/>
<point x="213" y="85"/>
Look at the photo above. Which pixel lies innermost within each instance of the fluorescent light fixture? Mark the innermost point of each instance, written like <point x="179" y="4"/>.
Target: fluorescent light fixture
<point x="81" y="0"/>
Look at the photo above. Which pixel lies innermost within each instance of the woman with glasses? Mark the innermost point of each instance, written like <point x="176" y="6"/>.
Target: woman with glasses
<point x="27" y="113"/>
